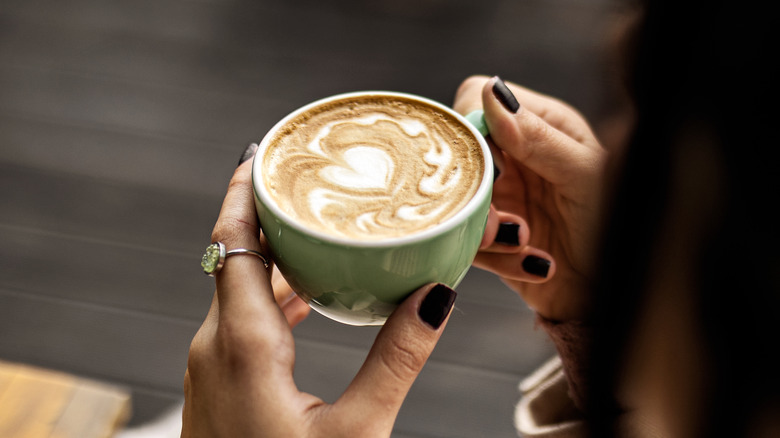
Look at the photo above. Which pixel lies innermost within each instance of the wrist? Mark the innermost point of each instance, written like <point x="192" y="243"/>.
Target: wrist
<point x="572" y="340"/>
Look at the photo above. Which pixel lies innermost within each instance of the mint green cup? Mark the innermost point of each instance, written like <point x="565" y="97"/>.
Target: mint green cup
<point x="360" y="282"/>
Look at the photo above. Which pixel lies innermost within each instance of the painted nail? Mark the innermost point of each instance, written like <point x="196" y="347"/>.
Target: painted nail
<point x="248" y="153"/>
<point x="437" y="305"/>
<point x="508" y="234"/>
<point x="505" y="96"/>
<point x="536" y="266"/>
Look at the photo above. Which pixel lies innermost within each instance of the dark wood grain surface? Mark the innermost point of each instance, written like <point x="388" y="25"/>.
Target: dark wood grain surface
<point x="121" y="123"/>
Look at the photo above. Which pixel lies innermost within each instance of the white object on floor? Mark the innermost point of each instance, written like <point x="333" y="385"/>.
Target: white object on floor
<point x="168" y="425"/>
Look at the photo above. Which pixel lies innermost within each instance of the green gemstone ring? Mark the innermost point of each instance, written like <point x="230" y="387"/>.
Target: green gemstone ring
<point x="215" y="255"/>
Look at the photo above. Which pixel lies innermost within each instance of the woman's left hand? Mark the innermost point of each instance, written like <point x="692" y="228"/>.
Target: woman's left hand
<point x="239" y="379"/>
<point x="547" y="198"/>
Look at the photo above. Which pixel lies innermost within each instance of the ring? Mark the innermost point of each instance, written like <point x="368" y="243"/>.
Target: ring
<point x="215" y="255"/>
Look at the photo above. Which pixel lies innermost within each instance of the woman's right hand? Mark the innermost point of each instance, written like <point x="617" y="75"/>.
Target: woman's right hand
<point x="547" y="198"/>
<point x="239" y="380"/>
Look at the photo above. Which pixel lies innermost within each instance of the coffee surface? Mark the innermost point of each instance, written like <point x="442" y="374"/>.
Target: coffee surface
<point x="371" y="168"/>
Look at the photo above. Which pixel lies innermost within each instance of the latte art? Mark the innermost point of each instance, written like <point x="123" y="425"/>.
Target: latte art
<point x="372" y="168"/>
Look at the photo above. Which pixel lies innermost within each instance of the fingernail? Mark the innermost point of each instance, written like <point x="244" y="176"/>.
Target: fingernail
<point x="508" y="234"/>
<point x="536" y="266"/>
<point x="505" y="96"/>
<point x="248" y="153"/>
<point x="437" y="305"/>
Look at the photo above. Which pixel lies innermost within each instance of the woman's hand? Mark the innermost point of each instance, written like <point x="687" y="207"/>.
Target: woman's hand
<point x="239" y="379"/>
<point x="547" y="198"/>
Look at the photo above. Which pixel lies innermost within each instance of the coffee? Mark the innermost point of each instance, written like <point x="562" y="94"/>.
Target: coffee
<point x="372" y="167"/>
<point x="366" y="196"/>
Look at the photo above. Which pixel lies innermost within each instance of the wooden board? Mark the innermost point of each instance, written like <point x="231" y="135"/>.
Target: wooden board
<point x="121" y="123"/>
<point x="39" y="403"/>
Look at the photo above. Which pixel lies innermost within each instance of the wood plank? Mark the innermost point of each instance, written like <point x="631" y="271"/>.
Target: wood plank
<point x="176" y="19"/>
<point x="146" y="161"/>
<point x="445" y="400"/>
<point x="226" y="69"/>
<point x="104" y="344"/>
<point x="41" y="403"/>
<point x="94" y="411"/>
<point x="151" y="407"/>
<point x="139" y="280"/>
<point x="131" y="279"/>
<point x="135" y="349"/>
<point x="480" y="335"/>
<point x="168" y="221"/>
<point x="138" y="107"/>
<point x="7" y="372"/>
<point x="33" y="402"/>
<point x="304" y="65"/>
<point x="487" y="289"/>
<point x="94" y="223"/>
<point x="121" y="124"/>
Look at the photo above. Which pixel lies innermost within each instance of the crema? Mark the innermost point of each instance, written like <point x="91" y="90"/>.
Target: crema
<point x="372" y="167"/>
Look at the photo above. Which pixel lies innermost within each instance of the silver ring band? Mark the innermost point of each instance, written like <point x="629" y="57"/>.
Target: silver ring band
<point x="247" y="251"/>
<point x="216" y="253"/>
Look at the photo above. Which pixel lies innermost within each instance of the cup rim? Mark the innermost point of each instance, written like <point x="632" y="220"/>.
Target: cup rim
<point x="483" y="190"/>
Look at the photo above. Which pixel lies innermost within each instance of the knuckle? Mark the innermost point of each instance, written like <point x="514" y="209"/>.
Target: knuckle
<point x="535" y="131"/>
<point x="232" y="340"/>
<point x="404" y="359"/>
<point x="560" y="110"/>
<point x="472" y="84"/>
<point x="564" y="108"/>
<point x="241" y="350"/>
<point x="187" y="385"/>
<point x="237" y="182"/>
<point x="565" y="118"/>
<point x="234" y="356"/>
<point x="230" y="228"/>
<point x="197" y="360"/>
<point x="234" y="220"/>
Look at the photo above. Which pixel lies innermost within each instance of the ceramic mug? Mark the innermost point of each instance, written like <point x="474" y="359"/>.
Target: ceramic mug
<point x="361" y="282"/>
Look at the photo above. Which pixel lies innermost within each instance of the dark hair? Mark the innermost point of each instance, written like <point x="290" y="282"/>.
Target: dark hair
<point x="700" y="77"/>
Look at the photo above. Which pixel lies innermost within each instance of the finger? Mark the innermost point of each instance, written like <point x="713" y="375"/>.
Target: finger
<point x="202" y="345"/>
<point x="504" y="233"/>
<point x="283" y="292"/>
<point x="243" y="286"/>
<point x="248" y="153"/>
<point x="397" y="357"/>
<point x="499" y="164"/>
<point x="468" y="97"/>
<point x="532" y="141"/>
<point x="491" y="228"/>
<point x="295" y="310"/>
<point x="208" y="328"/>
<point x="530" y="264"/>
<point x="555" y="112"/>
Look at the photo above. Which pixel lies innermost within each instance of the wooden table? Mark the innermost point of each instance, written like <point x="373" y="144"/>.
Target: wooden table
<point x="35" y="402"/>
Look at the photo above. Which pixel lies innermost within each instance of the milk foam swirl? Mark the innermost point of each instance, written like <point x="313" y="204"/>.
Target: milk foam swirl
<point x="373" y="169"/>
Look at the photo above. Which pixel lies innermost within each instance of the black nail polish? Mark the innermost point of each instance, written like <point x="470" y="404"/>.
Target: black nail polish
<point x="536" y="266"/>
<point x="508" y="234"/>
<point x="505" y="96"/>
<point x="248" y="153"/>
<point x="437" y="305"/>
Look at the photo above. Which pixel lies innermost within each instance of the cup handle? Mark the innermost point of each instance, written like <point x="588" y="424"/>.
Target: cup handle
<point x="477" y="118"/>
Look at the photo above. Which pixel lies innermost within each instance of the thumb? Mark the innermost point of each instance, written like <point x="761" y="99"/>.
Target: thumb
<point x="528" y="137"/>
<point x="401" y="349"/>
